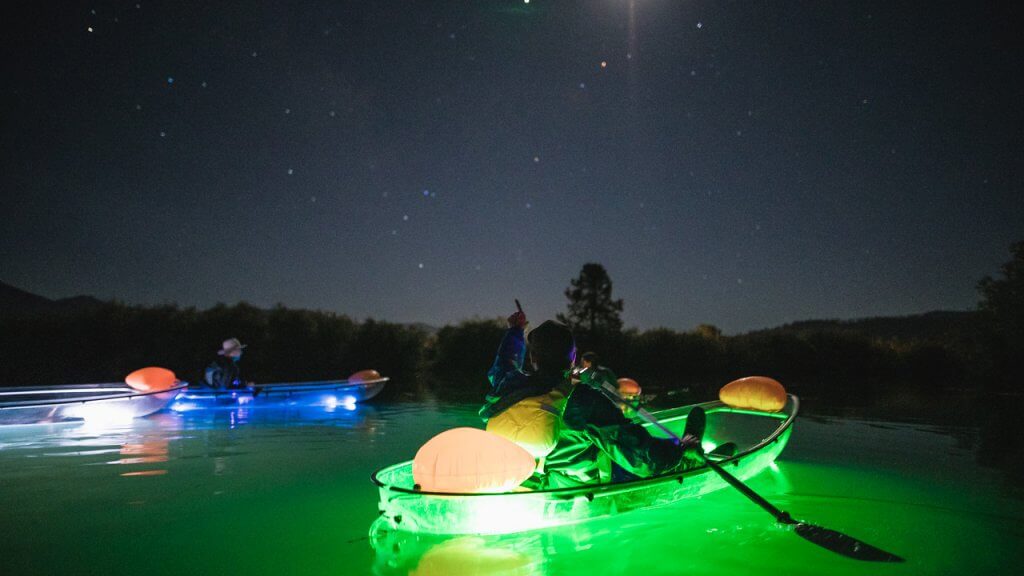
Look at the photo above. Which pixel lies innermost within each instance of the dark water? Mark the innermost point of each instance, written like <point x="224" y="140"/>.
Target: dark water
<point x="287" y="491"/>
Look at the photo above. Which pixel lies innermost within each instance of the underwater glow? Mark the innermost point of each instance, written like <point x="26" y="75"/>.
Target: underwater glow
<point x="104" y="413"/>
<point x="184" y="406"/>
<point x="760" y="437"/>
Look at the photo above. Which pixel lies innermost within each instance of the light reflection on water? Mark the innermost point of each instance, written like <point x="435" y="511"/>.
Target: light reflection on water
<point x="285" y="490"/>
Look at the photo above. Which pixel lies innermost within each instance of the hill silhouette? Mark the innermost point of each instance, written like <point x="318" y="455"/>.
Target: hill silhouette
<point x="939" y="326"/>
<point x="16" y="300"/>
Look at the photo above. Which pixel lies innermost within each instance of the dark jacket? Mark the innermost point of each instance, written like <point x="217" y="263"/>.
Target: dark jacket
<point x="509" y="383"/>
<point x="594" y="433"/>
<point x="224" y="373"/>
<point x="597" y="442"/>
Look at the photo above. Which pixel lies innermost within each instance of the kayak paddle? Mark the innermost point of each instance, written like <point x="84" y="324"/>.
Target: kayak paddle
<point x="825" y="537"/>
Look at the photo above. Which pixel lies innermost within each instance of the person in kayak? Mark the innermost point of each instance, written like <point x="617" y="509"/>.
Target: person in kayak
<point x="224" y="372"/>
<point x="591" y="433"/>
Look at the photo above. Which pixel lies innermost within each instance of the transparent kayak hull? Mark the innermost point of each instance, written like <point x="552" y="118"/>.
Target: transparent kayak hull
<point x="314" y="393"/>
<point x="114" y="402"/>
<point x="760" y="436"/>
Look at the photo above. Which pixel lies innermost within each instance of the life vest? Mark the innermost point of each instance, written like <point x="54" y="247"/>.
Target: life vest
<point x="532" y="423"/>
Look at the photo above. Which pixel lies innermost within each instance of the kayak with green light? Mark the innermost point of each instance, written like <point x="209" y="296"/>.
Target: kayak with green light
<point x="759" y="438"/>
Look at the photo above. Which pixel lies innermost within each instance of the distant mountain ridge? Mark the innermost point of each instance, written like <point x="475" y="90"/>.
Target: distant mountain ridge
<point x="16" y="300"/>
<point x="939" y="325"/>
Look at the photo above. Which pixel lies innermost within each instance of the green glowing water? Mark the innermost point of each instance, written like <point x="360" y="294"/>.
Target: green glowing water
<point x="275" y="491"/>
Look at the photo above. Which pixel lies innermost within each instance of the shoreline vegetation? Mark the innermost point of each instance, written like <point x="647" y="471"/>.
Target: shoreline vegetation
<point x="919" y="362"/>
<point x="844" y="360"/>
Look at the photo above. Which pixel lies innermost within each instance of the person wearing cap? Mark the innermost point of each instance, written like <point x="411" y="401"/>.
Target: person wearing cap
<point x="224" y="372"/>
<point x="591" y="434"/>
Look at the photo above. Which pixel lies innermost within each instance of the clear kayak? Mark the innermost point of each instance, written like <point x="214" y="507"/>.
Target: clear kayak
<point x="328" y="393"/>
<point x="760" y="438"/>
<point x="114" y="402"/>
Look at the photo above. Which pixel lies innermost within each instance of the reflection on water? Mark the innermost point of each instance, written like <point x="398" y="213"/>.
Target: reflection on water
<point x="938" y="528"/>
<point x="285" y="490"/>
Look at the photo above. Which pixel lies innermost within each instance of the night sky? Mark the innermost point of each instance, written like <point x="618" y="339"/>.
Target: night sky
<point x="742" y="164"/>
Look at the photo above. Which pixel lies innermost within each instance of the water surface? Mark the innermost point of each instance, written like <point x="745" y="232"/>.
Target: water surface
<point x="286" y="491"/>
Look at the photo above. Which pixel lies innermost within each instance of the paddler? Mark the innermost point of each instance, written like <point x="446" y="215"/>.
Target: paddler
<point x="589" y="432"/>
<point x="224" y="372"/>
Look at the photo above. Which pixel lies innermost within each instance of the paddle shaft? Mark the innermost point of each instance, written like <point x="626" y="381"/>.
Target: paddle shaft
<point x="831" y="540"/>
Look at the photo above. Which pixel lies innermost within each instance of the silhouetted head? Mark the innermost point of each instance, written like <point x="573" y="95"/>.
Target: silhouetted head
<point x="552" y="347"/>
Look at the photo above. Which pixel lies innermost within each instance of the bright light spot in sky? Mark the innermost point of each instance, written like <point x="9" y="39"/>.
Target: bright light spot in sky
<point x="203" y="84"/>
<point x="604" y="64"/>
<point x="536" y="158"/>
<point x="170" y="80"/>
<point x="426" y="192"/>
<point x="405" y="217"/>
<point x="89" y="28"/>
<point x="290" y="171"/>
<point x="162" y="133"/>
<point x="700" y="24"/>
<point x="421" y="265"/>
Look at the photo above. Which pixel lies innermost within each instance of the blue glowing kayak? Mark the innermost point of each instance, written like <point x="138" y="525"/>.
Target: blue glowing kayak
<point x="104" y="403"/>
<point x="759" y="436"/>
<point x="327" y="393"/>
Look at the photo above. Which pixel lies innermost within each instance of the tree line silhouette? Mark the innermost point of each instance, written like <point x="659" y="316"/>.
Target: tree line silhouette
<point x="843" y="361"/>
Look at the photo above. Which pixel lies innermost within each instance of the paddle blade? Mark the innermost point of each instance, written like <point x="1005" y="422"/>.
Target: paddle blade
<point x="842" y="544"/>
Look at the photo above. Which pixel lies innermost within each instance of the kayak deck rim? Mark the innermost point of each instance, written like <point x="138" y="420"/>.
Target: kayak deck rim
<point x="125" y="394"/>
<point x="793" y="403"/>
